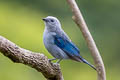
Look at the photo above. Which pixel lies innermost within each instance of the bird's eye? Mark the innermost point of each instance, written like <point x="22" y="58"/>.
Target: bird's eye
<point x="52" y="20"/>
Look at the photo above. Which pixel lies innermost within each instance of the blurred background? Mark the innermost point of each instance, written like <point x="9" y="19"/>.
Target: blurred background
<point x="21" y="22"/>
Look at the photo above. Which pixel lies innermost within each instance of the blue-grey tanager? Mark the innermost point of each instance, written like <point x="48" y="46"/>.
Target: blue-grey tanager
<point x="58" y="43"/>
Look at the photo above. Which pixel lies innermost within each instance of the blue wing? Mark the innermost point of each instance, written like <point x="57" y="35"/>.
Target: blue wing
<point x="68" y="47"/>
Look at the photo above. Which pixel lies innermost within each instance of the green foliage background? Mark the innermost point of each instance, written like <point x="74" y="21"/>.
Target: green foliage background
<point x="21" y="22"/>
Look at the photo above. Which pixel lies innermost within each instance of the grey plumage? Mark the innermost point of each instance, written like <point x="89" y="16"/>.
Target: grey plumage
<point x="51" y="30"/>
<point x="58" y="43"/>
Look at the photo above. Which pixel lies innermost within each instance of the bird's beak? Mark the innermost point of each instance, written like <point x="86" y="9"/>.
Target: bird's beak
<point x="44" y="19"/>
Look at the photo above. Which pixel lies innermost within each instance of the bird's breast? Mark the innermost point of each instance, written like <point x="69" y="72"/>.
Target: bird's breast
<point x="48" y="39"/>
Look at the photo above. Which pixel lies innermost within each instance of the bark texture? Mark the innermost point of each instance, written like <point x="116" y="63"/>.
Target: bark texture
<point x="37" y="61"/>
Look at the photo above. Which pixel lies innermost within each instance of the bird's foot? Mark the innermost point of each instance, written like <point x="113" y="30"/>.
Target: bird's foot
<point x="58" y="61"/>
<point x="51" y="59"/>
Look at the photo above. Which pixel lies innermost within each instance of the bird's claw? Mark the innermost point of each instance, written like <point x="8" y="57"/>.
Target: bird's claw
<point x="51" y="59"/>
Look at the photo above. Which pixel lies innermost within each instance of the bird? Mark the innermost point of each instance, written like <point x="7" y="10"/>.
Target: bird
<point x="58" y="44"/>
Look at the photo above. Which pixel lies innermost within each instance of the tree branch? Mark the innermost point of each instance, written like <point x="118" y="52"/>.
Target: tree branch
<point x="35" y="60"/>
<point x="78" y="18"/>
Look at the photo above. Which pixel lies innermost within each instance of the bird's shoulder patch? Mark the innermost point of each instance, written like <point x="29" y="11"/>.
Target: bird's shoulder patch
<point x="65" y="45"/>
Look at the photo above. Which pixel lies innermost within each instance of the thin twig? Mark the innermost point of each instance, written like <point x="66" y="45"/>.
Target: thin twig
<point x="35" y="60"/>
<point x="78" y="18"/>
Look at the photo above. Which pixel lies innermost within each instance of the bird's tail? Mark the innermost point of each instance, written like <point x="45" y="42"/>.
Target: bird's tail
<point x="86" y="62"/>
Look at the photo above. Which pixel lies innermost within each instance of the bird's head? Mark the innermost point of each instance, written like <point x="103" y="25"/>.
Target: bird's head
<point x="52" y="22"/>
